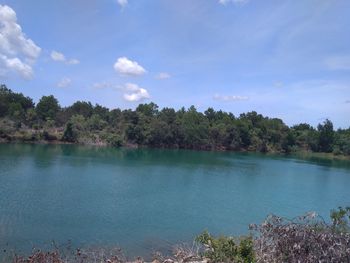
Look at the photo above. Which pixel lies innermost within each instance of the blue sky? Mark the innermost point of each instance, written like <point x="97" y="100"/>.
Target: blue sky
<point x="286" y="59"/>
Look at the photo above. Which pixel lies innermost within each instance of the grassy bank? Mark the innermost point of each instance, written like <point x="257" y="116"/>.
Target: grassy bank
<point x="317" y="155"/>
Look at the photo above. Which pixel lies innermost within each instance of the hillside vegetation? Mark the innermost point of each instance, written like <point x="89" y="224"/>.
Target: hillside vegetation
<point x="82" y="122"/>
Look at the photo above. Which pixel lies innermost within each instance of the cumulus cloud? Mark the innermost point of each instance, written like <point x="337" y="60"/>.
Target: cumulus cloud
<point x="64" y="83"/>
<point x="131" y="92"/>
<point x="134" y="93"/>
<point x="229" y="97"/>
<point x="163" y="75"/>
<point x="16" y="65"/>
<point x="59" y="57"/>
<point x="224" y="2"/>
<point x="122" y="3"/>
<point x="338" y="63"/>
<point x="124" y="66"/>
<point x="17" y="52"/>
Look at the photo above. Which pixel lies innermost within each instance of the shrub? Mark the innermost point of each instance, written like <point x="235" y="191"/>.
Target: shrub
<point x="305" y="239"/>
<point x="69" y="135"/>
<point x="341" y="219"/>
<point x="48" y="137"/>
<point x="225" y="249"/>
<point x="115" y="140"/>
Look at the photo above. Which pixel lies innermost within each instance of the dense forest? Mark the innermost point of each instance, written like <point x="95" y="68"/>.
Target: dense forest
<point x="82" y="122"/>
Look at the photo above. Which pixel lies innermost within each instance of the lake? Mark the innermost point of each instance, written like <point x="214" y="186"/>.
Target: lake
<point x="149" y="199"/>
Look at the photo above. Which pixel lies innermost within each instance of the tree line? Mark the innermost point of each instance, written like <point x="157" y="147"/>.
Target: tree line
<point x="82" y="122"/>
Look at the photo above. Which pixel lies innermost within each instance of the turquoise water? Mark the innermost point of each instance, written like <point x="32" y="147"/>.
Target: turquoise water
<point x="145" y="199"/>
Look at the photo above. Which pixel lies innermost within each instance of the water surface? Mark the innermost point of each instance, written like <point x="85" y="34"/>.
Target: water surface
<point x="144" y="199"/>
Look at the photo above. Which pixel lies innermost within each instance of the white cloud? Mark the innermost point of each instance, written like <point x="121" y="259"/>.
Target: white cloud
<point x="229" y="97"/>
<point x="58" y="56"/>
<point x="122" y="3"/>
<point x="163" y="75"/>
<point x="134" y="93"/>
<point x="124" y="66"/>
<point x="338" y="63"/>
<point x="17" y="52"/>
<point x="64" y="83"/>
<point x="73" y="61"/>
<point x="241" y="2"/>
<point x="16" y="65"/>
<point x="131" y="92"/>
<point x="102" y="85"/>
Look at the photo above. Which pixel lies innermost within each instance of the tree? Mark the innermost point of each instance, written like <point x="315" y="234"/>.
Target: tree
<point x="13" y="104"/>
<point x="96" y="123"/>
<point x="326" y="136"/>
<point x="103" y="112"/>
<point x="210" y="114"/>
<point x="47" y="107"/>
<point x="81" y="108"/>
<point x="150" y="126"/>
<point x="79" y="122"/>
<point x="196" y="129"/>
<point x="115" y="118"/>
<point x="30" y="117"/>
<point x="160" y="134"/>
<point x="69" y="134"/>
<point x="288" y="142"/>
<point x="149" y="109"/>
<point x="168" y="115"/>
<point x="16" y="111"/>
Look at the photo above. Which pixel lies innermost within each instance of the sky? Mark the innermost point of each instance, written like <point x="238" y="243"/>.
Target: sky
<point x="282" y="58"/>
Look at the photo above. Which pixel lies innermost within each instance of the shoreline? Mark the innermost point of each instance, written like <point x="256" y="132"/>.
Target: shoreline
<point x="297" y="154"/>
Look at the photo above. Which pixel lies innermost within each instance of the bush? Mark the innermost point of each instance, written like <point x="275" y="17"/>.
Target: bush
<point x="69" y="135"/>
<point x="341" y="219"/>
<point x="115" y="140"/>
<point x="48" y="137"/>
<point x="306" y="239"/>
<point x="225" y="249"/>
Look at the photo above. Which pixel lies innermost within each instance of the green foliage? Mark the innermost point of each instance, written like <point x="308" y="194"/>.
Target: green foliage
<point x="115" y="140"/>
<point x="225" y="249"/>
<point x="47" y="136"/>
<point x="96" y="123"/>
<point x="75" y="128"/>
<point x="30" y="117"/>
<point x="49" y="123"/>
<point x="341" y="219"/>
<point x="13" y="104"/>
<point x="186" y="128"/>
<point x="47" y="108"/>
<point x="82" y="108"/>
<point x="78" y="122"/>
<point x="195" y="129"/>
<point x="342" y="141"/>
<point x="69" y="135"/>
<point x="149" y="110"/>
<point x="16" y="111"/>
<point x="102" y="112"/>
<point x="326" y="136"/>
